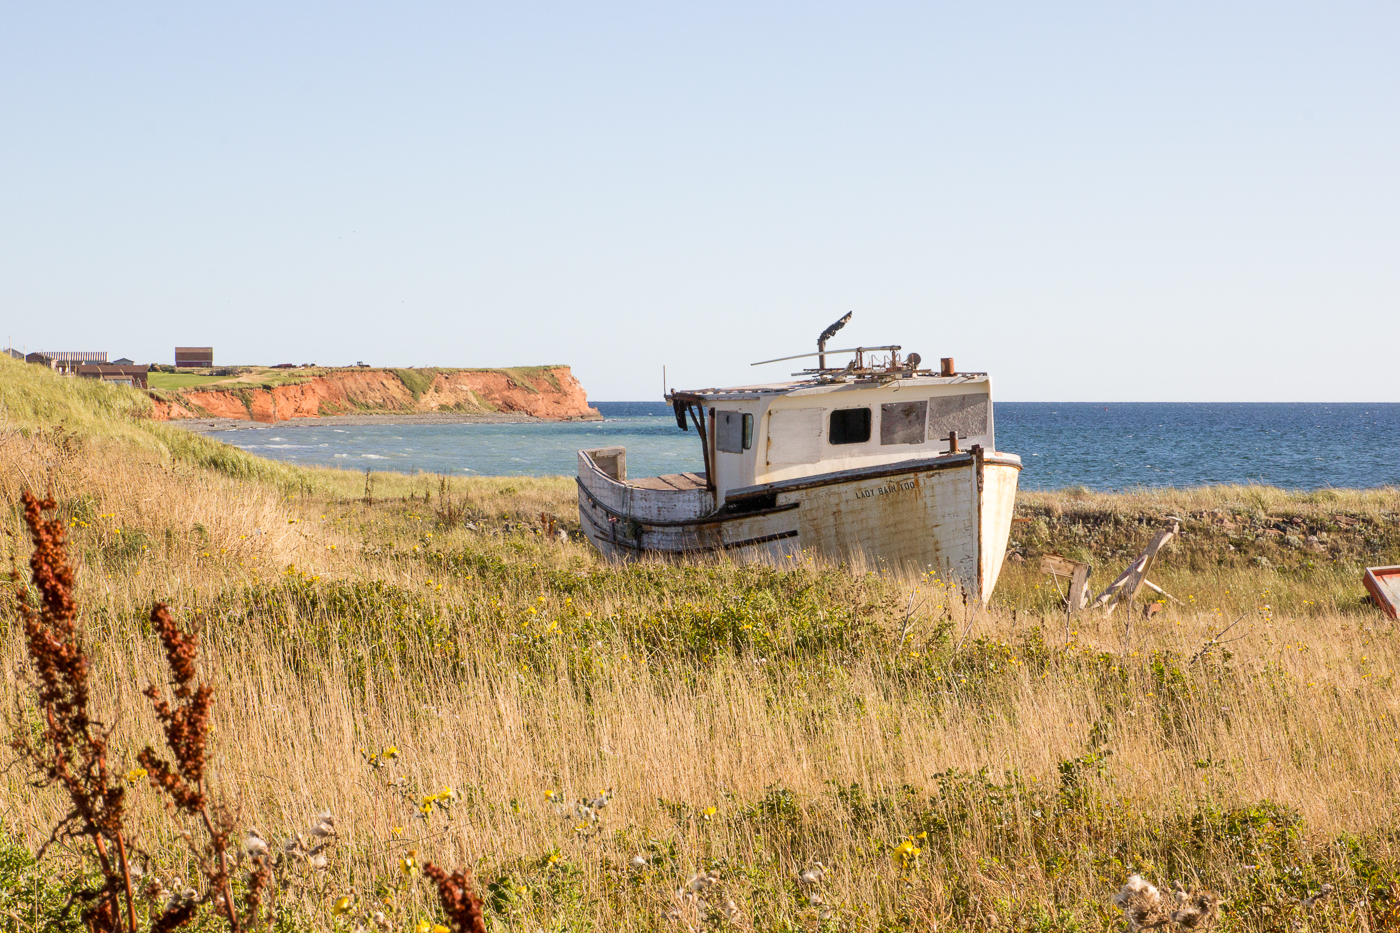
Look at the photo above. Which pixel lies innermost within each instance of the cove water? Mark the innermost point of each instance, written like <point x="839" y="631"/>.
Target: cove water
<point x="1096" y="445"/>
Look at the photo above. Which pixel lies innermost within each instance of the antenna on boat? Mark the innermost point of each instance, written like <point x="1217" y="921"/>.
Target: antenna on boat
<point x="803" y="356"/>
<point x="827" y="335"/>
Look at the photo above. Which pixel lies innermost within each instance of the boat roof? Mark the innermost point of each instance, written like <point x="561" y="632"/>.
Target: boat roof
<point x="822" y="385"/>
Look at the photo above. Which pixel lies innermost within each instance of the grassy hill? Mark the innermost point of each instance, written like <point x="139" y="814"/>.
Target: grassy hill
<point x="112" y="420"/>
<point x="950" y="767"/>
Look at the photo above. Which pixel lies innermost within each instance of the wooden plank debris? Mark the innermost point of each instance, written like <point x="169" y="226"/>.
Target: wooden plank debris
<point x="1078" y="596"/>
<point x="1059" y="566"/>
<point x="1078" y="575"/>
<point x="1159" y="591"/>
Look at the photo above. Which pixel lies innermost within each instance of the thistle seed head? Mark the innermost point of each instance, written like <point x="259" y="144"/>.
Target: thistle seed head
<point x="323" y="826"/>
<point x="255" y="845"/>
<point x="1199" y="911"/>
<point x="1309" y="902"/>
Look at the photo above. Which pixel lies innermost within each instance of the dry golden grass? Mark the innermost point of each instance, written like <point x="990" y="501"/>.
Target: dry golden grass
<point x="1242" y="547"/>
<point x="747" y="720"/>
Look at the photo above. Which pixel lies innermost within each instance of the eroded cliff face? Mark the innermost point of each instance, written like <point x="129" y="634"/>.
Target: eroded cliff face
<point x="551" y="393"/>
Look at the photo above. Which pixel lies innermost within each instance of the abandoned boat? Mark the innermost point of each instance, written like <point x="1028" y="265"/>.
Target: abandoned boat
<point x="878" y="457"/>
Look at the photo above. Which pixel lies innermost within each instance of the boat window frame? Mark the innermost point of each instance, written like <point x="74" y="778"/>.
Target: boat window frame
<point x="888" y="421"/>
<point x="831" y="433"/>
<point x="733" y="438"/>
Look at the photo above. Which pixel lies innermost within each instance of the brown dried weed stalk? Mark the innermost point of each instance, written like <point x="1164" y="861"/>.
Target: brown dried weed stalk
<point x="458" y="898"/>
<point x="186" y="725"/>
<point x="71" y="749"/>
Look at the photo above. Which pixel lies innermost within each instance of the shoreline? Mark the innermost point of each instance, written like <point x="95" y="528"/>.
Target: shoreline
<point x="212" y="425"/>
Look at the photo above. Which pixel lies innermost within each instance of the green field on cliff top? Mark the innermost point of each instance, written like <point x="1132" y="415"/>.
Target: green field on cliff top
<point x="700" y="745"/>
<point x="415" y="379"/>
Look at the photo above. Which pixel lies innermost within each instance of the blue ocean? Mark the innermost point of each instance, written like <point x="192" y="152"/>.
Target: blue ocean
<point x="1102" y="446"/>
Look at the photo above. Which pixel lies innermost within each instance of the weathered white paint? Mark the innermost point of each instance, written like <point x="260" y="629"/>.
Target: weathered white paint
<point x="998" y="503"/>
<point x="927" y="515"/>
<point x="827" y="457"/>
<point x="904" y="501"/>
<point x="628" y="498"/>
<point x="794" y="436"/>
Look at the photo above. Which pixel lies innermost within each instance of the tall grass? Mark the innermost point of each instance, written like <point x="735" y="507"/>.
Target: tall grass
<point x="948" y="767"/>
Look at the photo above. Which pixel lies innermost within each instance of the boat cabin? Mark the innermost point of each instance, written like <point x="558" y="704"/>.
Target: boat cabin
<point x="767" y="433"/>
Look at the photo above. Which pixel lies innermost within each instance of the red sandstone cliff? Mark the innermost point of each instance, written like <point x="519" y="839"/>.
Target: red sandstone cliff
<point x="546" y="392"/>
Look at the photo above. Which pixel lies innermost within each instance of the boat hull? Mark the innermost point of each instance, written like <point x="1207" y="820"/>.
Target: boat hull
<point x="950" y="515"/>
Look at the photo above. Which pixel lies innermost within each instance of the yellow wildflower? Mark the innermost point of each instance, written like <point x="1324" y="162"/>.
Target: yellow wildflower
<point x="906" y="854"/>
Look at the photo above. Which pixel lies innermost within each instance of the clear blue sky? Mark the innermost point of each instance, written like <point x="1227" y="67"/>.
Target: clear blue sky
<point x="1092" y="201"/>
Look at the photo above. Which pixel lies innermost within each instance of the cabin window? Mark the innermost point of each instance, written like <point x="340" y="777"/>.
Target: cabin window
<point x="849" y="426"/>
<point x="903" y="422"/>
<point x="966" y="414"/>
<point x="733" y="431"/>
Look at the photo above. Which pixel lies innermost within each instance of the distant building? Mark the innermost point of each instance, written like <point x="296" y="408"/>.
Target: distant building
<point x="134" y="376"/>
<point x="194" y="357"/>
<point x="123" y="362"/>
<point x="66" y="362"/>
<point x="14" y="353"/>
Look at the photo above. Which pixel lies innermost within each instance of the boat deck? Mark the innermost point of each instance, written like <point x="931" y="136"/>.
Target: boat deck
<point x="670" y="481"/>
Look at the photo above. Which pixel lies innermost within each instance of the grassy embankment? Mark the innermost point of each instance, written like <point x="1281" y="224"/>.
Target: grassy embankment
<point x="181" y="380"/>
<point x="951" y="768"/>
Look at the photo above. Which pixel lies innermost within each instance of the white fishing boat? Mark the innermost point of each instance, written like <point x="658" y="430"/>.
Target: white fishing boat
<point x="877" y="456"/>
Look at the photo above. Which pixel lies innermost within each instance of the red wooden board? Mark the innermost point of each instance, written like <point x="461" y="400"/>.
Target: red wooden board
<point x="1383" y="583"/>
